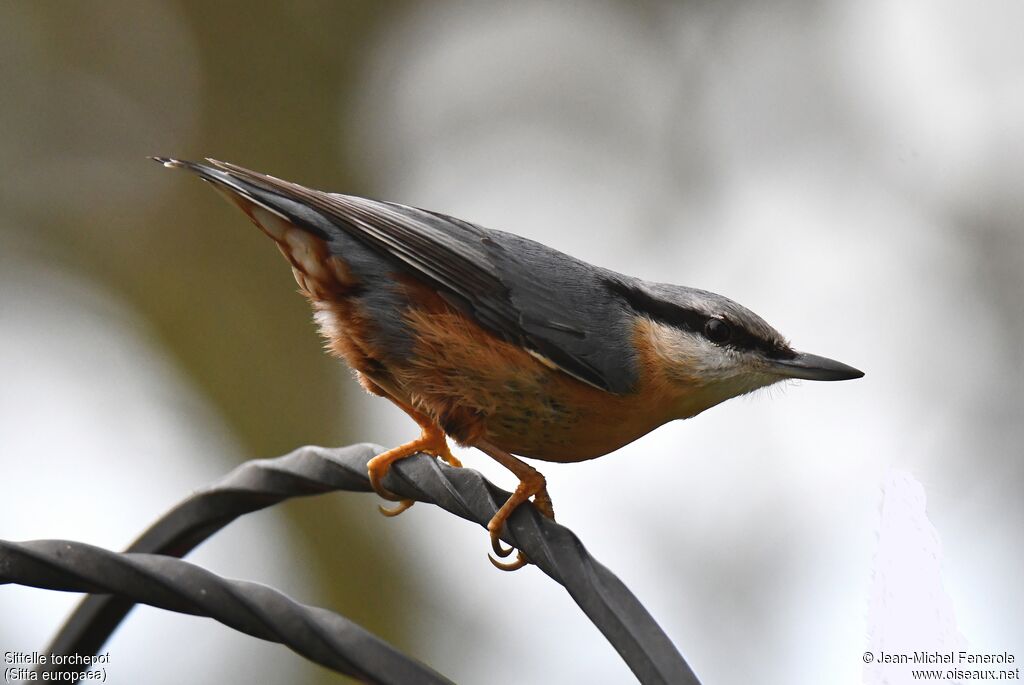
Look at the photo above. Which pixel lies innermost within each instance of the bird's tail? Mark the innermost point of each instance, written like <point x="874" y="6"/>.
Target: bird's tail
<point x="288" y="202"/>
<point x="287" y="213"/>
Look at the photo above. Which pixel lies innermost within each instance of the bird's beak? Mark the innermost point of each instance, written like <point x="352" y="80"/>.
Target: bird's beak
<point x="814" y="368"/>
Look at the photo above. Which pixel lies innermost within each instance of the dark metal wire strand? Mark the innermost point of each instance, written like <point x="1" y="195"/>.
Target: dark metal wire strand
<point x="256" y="484"/>
<point x="168" y="583"/>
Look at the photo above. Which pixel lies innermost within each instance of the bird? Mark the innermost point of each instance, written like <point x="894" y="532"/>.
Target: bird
<point x="502" y="343"/>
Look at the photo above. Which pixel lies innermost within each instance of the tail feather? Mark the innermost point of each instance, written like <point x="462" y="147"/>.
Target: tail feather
<point x="277" y="208"/>
<point x="248" y="189"/>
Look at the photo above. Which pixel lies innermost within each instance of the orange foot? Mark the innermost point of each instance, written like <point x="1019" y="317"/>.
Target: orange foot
<point x="431" y="441"/>
<point x="531" y="484"/>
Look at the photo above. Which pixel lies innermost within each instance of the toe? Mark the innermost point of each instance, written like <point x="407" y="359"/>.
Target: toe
<point x="520" y="561"/>
<point x="397" y="509"/>
<point x="500" y="549"/>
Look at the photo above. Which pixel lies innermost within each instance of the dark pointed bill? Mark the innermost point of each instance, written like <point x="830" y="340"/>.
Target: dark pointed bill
<point x="814" y="368"/>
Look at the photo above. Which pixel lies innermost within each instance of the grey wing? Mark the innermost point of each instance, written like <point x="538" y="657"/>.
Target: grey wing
<point x="548" y="302"/>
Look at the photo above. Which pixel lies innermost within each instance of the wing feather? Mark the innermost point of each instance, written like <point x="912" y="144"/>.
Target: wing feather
<point x="506" y="283"/>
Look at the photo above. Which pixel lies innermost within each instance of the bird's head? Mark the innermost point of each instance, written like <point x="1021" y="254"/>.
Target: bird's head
<point x="705" y="348"/>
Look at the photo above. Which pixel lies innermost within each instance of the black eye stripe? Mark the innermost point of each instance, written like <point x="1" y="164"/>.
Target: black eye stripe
<point x="660" y="310"/>
<point x="696" y="322"/>
<point x="744" y="340"/>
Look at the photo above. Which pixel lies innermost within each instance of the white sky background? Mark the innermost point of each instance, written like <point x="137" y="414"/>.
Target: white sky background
<point x="850" y="173"/>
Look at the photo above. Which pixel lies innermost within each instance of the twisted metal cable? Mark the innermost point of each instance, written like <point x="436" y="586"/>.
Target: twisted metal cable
<point x="317" y="634"/>
<point x="256" y="484"/>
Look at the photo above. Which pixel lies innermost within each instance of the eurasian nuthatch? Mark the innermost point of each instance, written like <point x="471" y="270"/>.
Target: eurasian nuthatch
<point x="500" y="342"/>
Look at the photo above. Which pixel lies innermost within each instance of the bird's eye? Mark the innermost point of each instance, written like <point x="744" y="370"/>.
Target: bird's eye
<point x="717" y="331"/>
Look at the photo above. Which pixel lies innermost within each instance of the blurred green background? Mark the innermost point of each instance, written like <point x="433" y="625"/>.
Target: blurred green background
<point x="850" y="170"/>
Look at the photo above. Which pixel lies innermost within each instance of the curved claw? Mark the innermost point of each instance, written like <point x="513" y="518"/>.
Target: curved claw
<point x="519" y="562"/>
<point x="498" y="547"/>
<point x="375" y="478"/>
<point x="397" y="509"/>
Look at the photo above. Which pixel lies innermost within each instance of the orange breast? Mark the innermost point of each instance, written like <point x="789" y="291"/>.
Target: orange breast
<point x="473" y="384"/>
<point x="477" y="385"/>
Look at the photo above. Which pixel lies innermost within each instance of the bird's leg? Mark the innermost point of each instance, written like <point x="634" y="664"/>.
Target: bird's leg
<point x="531" y="484"/>
<point x="432" y="441"/>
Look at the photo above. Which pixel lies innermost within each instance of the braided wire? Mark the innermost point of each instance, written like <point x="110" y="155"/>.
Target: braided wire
<point x="168" y="583"/>
<point x="311" y="470"/>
